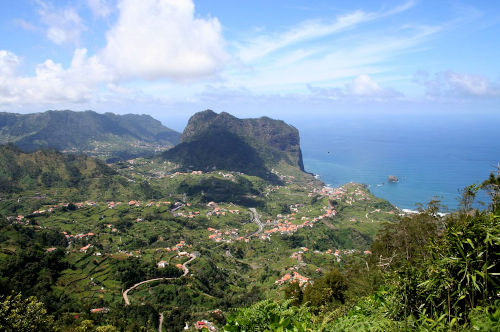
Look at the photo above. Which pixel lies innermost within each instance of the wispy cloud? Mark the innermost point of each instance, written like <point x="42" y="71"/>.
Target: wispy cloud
<point x="100" y="8"/>
<point x="24" y="24"/>
<point x="339" y="60"/>
<point x="63" y="25"/>
<point x="260" y="46"/>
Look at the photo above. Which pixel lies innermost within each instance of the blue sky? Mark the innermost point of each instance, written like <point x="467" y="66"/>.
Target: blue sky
<point x="287" y="59"/>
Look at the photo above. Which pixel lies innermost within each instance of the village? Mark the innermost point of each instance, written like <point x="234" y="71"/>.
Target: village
<point x="100" y="232"/>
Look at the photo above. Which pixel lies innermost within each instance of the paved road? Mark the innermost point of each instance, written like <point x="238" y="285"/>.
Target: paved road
<point x="256" y="218"/>
<point x="160" y="323"/>
<point x="325" y="221"/>
<point x="177" y="208"/>
<point x="125" y="293"/>
<point x="184" y="268"/>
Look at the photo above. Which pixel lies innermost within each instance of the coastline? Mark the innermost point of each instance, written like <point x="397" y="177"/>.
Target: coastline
<point x="404" y="211"/>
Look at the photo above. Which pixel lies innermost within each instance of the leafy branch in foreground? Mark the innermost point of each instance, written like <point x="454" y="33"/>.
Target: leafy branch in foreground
<point x="24" y="314"/>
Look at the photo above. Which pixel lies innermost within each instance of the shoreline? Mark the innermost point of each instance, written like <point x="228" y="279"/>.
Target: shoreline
<point x="405" y="211"/>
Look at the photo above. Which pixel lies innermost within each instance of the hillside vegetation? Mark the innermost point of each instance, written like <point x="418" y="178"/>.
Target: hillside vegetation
<point x="26" y="178"/>
<point x="245" y="234"/>
<point x="105" y="135"/>
<point x="426" y="273"/>
<point x="226" y="230"/>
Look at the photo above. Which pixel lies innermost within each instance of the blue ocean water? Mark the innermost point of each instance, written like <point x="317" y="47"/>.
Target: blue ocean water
<point x="434" y="156"/>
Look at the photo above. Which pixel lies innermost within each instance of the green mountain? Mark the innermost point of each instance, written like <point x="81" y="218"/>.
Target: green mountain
<point x="46" y="168"/>
<point x="49" y="173"/>
<point x="105" y="135"/>
<point x="138" y="245"/>
<point x="253" y="146"/>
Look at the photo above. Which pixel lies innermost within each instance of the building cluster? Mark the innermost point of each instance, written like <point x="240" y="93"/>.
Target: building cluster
<point x="227" y="236"/>
<point x="133" y="253"/>
<point x="226" y="175"/>
<point x="77" y="236"/>
<point x="178" y="246"/>
<point x="189" y="214"/>
<point x="284" y="226"/>
<point x="204" y="324"/>
<point x="293" y="277"/>
<point x="215" y="210"/>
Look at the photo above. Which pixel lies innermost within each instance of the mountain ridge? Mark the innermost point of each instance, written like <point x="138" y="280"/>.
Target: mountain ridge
<point x="107" y="134"/>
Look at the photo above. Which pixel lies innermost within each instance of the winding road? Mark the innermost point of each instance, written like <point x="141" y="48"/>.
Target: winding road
<point x="160" y="324"/>
<point x="184" y="268"/>
<point x="256" y="218"/>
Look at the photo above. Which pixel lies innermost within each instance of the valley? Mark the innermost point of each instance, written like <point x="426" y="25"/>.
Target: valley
<point x="173" y="242"/>
<point x="242" y="247"/>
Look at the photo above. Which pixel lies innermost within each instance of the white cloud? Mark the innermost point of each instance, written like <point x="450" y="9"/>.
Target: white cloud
<point x="162" y="39"/>
<point x="99" y="8"/>
<point x="8" y="63"/>
<point x="363" y="85"/>
<point x="151" y="39"/>
<point x="450" y="84"/>
<point x="51" y="82"/>
<point x="64" y="25"/>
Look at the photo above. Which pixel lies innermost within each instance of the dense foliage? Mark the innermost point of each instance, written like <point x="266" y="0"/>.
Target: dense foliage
<point x="18" y="314"/>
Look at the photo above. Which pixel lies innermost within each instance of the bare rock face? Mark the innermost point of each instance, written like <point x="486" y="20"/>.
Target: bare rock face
<point x="392" y="178"/>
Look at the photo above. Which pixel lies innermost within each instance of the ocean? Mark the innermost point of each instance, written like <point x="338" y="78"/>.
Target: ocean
<point x="434" y="155"/>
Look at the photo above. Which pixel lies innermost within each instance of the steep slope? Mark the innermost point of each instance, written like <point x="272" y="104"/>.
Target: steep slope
<point x="222" y="141"/>
<point x="64" y="175"/>
<point x="108" y="134"/>
<point x="47" y="168"/>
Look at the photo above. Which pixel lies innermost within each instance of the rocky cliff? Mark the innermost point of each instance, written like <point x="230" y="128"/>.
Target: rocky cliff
<point x="222" y="141"/>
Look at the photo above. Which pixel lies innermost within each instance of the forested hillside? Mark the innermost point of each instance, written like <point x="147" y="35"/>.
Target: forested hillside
<point x="105" y="135"/>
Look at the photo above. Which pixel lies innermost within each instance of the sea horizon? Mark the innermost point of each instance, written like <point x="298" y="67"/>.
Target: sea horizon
<point x="434" y="159"/>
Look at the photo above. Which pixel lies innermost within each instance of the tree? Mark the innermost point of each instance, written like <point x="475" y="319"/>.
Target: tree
<point x="468" y="196"/>
<point x="462" y="272"/>
<point x="327" y="289"/>
<point x="492" y="186"/>
<point x="88" y="326"/>
<point x="20" y="314"/>
<point x="269" y="316"/>
<point x="294" y="293"/>
<point x="404" y="242"/>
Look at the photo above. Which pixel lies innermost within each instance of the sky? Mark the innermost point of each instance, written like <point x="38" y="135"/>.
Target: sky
<point x="290" y="59"/>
